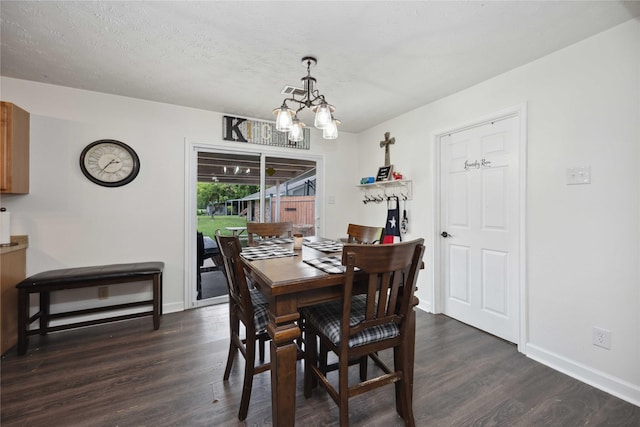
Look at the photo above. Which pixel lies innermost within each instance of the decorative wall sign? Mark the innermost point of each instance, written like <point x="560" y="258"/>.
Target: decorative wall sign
<point x="259" y="132"/>
<point x="484" y="163"/>
<point x="384" y="173"/>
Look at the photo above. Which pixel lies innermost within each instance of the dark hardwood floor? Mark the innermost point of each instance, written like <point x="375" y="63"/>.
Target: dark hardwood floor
<point x="127" y="374"/>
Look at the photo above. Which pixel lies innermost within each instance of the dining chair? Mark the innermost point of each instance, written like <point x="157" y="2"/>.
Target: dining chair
<point x="249" y="307"/>
<point x="361" y="325"/>
<point x="363" y="234"/>
<point x="267" y="230"/>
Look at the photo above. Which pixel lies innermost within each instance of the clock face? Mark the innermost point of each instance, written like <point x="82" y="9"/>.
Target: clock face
<point x="109" y="163"/>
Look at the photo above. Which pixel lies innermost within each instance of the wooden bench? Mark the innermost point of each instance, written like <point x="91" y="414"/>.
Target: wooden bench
<point x="83" y="277"/>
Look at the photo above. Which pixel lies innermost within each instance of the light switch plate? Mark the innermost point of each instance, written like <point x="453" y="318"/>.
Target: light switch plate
<point x="579" y="175"/>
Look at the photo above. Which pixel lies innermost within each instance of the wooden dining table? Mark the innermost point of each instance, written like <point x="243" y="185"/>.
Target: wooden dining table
<point x="289" y="283"/>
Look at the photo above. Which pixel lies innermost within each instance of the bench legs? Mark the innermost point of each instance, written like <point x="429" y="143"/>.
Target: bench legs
<point x="45" y="303"/>
<point x="23" y="320"/>
<point x="157" y="300"/>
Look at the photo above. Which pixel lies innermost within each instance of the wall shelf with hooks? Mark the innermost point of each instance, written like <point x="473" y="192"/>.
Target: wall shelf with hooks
<point x="380" y="190"/>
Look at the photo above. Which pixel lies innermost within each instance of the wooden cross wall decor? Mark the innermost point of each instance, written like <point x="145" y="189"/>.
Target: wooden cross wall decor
<point x="385" y="144"/>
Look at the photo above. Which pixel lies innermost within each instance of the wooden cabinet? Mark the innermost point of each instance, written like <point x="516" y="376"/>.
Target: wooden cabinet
<point x="14" y="150"/>
<point x="13" y="270"/>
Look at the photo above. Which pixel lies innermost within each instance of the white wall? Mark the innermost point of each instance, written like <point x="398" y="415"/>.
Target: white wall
<point x="582" y="241"/>
<point x="72" y="222"/>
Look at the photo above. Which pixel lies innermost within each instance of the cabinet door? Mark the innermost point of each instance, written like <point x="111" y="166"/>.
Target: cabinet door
<point x="14" y="150"/>
<point x="13" y="271"/>
<point x="4" y="148"/>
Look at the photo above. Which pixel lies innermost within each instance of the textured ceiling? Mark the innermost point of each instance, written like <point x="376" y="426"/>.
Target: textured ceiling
<point x="376" y="60"/>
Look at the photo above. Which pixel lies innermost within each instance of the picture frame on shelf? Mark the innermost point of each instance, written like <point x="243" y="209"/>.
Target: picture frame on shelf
<point x="384" y="173"/>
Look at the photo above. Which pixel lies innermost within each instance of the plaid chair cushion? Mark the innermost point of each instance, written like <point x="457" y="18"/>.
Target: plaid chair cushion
<point x="260" y="310"/>
<point x="326" y="317"/>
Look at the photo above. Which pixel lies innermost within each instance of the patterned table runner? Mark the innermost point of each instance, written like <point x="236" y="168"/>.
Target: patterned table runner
<point x="325" y="246"/>
<point x="265" y="252"/>
<point x="276" y="241"/>
<point x="329" y="264"/>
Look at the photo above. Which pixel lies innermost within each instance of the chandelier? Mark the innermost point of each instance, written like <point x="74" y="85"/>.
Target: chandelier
<point x="287" y="119"/>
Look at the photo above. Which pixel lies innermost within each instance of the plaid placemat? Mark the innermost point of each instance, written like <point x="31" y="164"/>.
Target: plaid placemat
<point x="276" y="241"/>
<point x="325" y="246"/>
<point x="265" y="252"/>
<point x="328" y="264"/>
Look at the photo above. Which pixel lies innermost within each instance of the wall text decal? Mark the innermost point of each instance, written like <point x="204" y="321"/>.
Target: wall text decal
<point x="259" y="132"/>
<point x="484" y="163"/>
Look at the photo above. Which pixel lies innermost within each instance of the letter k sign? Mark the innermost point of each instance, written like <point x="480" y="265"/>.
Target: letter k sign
<point x="232" y="127"/>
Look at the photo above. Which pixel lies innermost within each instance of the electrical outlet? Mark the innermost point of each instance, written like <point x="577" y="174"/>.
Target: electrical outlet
<point x="579" y="175"/>
<point x="602" y="338"/>
<point x="103" y="292"/>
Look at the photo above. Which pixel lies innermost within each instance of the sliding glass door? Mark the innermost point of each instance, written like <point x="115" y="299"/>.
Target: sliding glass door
<point x="230" y="188"/>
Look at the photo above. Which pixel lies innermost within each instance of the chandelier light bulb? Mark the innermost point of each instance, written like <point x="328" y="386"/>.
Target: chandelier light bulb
<point x="283" y="119"/>
<point x="296" y="134"/>
<point x="330" y="131"/>
<point x="323" y="115"/>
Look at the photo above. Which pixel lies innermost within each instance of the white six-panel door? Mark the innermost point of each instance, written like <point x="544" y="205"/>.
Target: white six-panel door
<point x="479" y="220"/>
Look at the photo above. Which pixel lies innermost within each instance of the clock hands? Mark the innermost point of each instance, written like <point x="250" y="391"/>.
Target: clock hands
<point x="111" y="162"/>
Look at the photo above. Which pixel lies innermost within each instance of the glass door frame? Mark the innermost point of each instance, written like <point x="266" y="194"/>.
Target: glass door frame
<point x="192" y="149"/>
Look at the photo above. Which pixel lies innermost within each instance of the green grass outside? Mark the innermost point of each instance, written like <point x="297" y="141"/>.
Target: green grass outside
<point x="208" y="226"/>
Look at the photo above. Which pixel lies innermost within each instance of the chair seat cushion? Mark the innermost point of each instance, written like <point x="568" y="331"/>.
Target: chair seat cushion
<point x="260" y="310"/>
<point x="326" y="318"/>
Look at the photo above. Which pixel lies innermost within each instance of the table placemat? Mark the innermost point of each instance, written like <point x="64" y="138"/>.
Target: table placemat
<point x="276" y="241"/>
<point x="325" y="246"/>
<point x="265" y="252"/>
<point x="329" y="264"/>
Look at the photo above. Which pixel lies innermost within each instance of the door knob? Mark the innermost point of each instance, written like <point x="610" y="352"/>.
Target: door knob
<point x="445" y="234"/>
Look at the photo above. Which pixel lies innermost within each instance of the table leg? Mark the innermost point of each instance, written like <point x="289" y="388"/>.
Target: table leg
<point x="283" y="372"/>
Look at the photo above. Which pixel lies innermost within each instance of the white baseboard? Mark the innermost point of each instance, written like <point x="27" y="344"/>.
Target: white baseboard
<point x="427" y="307"/>
<point x="173" y="307"/>
<point x="605" y="382"/>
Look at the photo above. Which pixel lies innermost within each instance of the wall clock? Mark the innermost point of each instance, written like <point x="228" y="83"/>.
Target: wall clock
<point x="109" y="163"/>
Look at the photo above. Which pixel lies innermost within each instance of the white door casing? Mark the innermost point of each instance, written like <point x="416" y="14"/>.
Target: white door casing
<point x="190" y="203"/>
<point x="480" y="212"/>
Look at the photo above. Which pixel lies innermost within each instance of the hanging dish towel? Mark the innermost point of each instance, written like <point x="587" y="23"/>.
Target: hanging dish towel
<point x="392" y="227"/>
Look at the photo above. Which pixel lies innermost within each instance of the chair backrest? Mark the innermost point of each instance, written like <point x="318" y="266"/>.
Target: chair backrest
<point x="363" y="234"/>
<point x="200" y="248"/>
<point x="392" y="271"/>
<point x="268" y="229"/>
<point x="237" y="286"/>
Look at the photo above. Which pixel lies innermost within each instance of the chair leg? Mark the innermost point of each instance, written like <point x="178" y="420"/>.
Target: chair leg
<point x="343" y="384"/>
<point x="234" y="324"/>
<point x="310" y="359"/>
<point x="403" y="357"/>
<point x="324" y="356"/>
<point x="363" y="368"/>
<point x="250" y="351"/>
<point x="261" y="348"/>
<point x="303" y="336"/>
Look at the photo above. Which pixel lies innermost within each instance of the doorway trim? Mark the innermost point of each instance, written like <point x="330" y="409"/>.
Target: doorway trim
<point x="190" y="203"/>
<point x="437" y="291"/>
